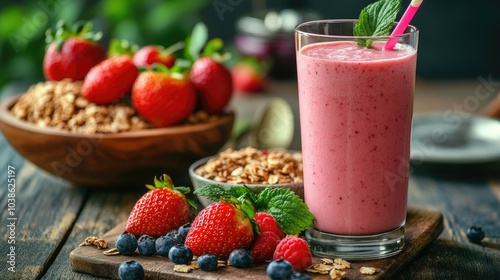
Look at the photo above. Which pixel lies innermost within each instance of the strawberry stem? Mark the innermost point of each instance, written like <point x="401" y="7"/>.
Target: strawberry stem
<point x="81" y="29"/>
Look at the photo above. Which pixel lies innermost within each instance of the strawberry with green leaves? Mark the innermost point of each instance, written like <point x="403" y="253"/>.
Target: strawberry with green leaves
<point x="109" y="80"/>
<point x="112" y="78"/>
<point x="163" y="96"/>
<point x="228" y="224"/>
<point x="160" y="210"/>
<point x="211" y="78"/>
<point x="71" y="52"/>
<point x="249" y="75"/>
<point x="151" y="54"/>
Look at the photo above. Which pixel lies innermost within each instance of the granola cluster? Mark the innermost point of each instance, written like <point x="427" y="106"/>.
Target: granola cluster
<point x="253" y="166"/>
<point x="336" y="268"/>
<point x="60" y="104"/>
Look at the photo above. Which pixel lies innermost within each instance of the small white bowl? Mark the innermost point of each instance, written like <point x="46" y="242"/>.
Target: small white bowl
<point x="200" y="181"/>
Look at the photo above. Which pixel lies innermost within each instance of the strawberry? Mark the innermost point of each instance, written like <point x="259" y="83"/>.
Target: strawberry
<point x="228" y="224"/>
<point x="163" y="98"/>
<point x="249" y="76"/>
<point x="71" y="53"/>
<point x="213" y="83"/>
<point x="110" y="80"/>
<point x="160" y="210"/>
<point x="149" y="55"/>
<point x="219" y="229"/>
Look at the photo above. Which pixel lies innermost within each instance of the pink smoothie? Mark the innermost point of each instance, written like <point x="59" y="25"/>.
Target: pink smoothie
<point x="355" y="116"/>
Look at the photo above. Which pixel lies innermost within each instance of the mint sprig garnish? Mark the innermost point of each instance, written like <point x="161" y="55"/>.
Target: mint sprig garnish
<point x="376" y="19"/>
<point x="287" y="208"/>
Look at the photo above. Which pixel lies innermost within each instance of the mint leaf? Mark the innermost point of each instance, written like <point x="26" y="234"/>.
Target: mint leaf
<point x="376" y="19"/>
<point x="287" y="208"/>
<point x="217" y="193"/>
<point x="212" y="192"/>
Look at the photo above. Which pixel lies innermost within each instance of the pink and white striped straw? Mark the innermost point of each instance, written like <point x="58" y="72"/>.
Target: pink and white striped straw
<point x="403" y="23"/>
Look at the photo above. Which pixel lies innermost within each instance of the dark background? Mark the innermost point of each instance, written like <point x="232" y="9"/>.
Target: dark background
<point x="458" y="39"/>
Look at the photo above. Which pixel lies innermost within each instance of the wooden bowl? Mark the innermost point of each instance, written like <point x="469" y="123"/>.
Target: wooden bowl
<point x="126" y="159"/>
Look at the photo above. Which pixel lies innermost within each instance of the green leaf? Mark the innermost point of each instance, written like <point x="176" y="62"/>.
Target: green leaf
<point x="196" y="41"/>
<point x="218" y="193"/>
<point x="213" y="46"/>
<point x="287" y="208"/>
<point x="376" y="19"/>
<point x="212" y="192"/>
<point x="118" y="47"/>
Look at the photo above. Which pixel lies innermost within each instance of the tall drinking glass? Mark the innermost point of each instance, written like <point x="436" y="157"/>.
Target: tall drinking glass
<point x="356" y="107"/>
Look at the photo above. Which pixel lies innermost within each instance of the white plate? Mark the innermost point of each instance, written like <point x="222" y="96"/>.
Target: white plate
<point x="448" y="137"/>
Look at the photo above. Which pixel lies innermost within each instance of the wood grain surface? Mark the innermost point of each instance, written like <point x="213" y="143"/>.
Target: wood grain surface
<point x="423" y="227"/>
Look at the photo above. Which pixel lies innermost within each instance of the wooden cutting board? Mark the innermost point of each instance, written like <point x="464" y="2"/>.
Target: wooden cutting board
<point x="422" y="227"/>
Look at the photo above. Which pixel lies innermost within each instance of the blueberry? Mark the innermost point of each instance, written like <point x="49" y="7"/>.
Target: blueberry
<point x="146" y="245"/>
<point x="241" y="258"/>
<point x="164" y="244"/>
<point x="475" y="234"/>
<point x="180" y="254"/>
<point x="183" y="231"/>
<point x="131" y="270"/>
<point x="300" y="276"/>
<point x="279" y="269"/>
<point x="126" y="243"/>
<point x="176" y="237"/>
<point x="207" y="262"/>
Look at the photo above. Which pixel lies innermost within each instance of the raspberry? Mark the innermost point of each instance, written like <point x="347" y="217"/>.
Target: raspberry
<point x="296" y="251"/>
<point x="268" y="223"/>
<point x="264" y="246"/>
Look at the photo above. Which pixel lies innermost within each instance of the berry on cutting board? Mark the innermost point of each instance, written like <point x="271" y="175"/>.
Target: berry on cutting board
<point x="220" y="228"/>
<point x="207" y="262"/>
<point x="163" y="208"/>
<point x="163" y="244"/>
<point x="180" y="254"/>
<point x="279" y="270"/>
<point x="130" y="270"/>
<point x="267" y="222"/>
<point x="228" y="223"/>
<point x="146" y="245"/>
<point x="72" y="52"/>
<point x="126" y="243"/>
<point x="241" y="258"/>
<point x="296" y="251"/>
<point x="264" y="246"/>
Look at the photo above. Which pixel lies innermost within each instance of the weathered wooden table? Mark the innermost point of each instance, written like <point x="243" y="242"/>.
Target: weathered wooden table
<point x="44" y="218"/>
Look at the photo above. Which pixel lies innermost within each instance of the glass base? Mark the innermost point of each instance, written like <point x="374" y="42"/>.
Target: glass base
<point x="358" y="247"/>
